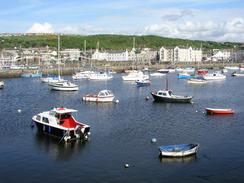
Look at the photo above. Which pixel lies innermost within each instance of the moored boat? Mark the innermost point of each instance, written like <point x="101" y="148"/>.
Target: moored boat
<point x="1" y="84"/>
<point x="213" y="111"/>
<point x="61" y="123"/>
<point x="102" y="96"/>
<point x="133" y="76"/>
<point x="196" y="81"/>
<point x="178" y="150"/>
<point x="214" y="76"/>
<point x="82" y="75"/>
<point x="237" y="74"/>
<point x="100" y="76"/>
<point x="143" y="82"/>
<point x="168" y="96"/>
<point x="202" y="71"/>
<point x="184" y="75"/>
<point x="31" y="75"/>
<point x="157" y="74"/>
<point x="64" y="86"/>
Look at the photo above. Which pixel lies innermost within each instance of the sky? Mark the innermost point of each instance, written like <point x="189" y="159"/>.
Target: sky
<point x="215" y="20"/>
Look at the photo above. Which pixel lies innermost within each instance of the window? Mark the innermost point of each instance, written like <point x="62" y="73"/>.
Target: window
<point x="45" y="120"/>
<point x="38" y="118"/>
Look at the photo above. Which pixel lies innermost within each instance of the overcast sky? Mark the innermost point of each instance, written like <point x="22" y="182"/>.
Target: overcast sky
<point x="217" y="20"/>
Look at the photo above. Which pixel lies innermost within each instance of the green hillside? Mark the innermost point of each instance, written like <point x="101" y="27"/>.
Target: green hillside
<point x="113" y="42"/>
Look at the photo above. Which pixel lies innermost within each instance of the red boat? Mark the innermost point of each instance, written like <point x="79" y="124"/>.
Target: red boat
<point x="213" y="111"/>
<point x="202" y="72"/>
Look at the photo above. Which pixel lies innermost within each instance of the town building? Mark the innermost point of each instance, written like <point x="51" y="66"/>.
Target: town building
<point x="180" y="54"/>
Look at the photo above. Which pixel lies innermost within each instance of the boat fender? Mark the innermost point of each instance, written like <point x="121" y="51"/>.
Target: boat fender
<point x="117" y="101"/>
<point x="153" y="140"/>
<point x="126" y="165"/>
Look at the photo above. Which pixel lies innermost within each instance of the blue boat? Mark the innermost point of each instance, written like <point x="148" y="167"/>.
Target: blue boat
<point x="178" y="150"/>
<point x="184" y="76"/>
<point x="31" y="75"/>
<point x="143" y="82"/>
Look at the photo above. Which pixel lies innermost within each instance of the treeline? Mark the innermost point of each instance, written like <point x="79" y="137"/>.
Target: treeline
<point x="107" y="42"/>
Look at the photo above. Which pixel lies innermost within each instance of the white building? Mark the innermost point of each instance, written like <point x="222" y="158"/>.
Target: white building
<point x="8" y="58"/>
<point x="222" y="55"/>
<point x="70" y="54"/>
<point x="180" y="54"/>
<point x="111" y="55"/>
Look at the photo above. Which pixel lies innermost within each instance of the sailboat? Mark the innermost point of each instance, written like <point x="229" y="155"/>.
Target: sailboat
<point x="60" y="84"/>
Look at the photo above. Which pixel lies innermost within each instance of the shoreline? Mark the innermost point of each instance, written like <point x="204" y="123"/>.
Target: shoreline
<point x="117" y="67"/>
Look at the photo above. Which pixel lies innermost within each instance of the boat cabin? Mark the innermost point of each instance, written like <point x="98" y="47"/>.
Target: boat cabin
<point x="105" y="93"/>
<point x="165" y="93"/>
<point x="58" y="116"/>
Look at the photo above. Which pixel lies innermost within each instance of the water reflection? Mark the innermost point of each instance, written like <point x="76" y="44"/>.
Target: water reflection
<point x="187" y="159"/>
<point x="57" y="150"/>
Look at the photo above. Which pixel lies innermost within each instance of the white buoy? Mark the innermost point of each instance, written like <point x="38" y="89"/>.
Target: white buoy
<point x="117" y="101"/>
<point x="19" y="110"/>
<point x="127" y="165"/>
<point x="196" y="111"/>
<point x="153" y="140"/>
<point x="147" y="97"/>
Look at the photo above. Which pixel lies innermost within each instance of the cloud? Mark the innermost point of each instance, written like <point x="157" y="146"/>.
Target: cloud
<point x="229" y="30"/>
<point x="41" y="28"/>
<point x="177" y="15"/>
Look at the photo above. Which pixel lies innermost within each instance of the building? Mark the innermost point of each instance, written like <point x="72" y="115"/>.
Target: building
<point x="70" y="54"/>
<point x="222" y="55"/>
<point x="116" y="55"/>
<point x="8" y="58"/>
<point x="180" y="54"/>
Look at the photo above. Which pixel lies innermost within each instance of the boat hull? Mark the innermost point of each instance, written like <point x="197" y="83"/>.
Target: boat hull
<point x="58" y="88"/>
<point x="178" y="150"/>
<point x="171" y="100"/>
<point x="97" y="99"/>
<point x="60" y="133"/>
<point x="196" y="81"/>
<point x="212" y="111"/>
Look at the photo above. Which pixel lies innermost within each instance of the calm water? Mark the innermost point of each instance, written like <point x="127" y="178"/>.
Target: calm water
<point x="121" y="133"/>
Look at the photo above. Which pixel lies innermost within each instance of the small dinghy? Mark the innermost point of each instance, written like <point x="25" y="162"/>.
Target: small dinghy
<point x="213" y="111"/>
<point x="178" y="150"/>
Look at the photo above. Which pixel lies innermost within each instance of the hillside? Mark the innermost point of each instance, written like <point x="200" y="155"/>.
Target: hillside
<point x="115" y="42"/>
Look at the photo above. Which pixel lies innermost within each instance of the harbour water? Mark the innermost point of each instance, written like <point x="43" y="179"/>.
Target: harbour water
<point x="121" y="133"/>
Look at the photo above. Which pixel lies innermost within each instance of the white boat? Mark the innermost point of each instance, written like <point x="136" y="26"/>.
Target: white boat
<point x="178" y="150"/>
<point x="178" y="69"/>
<point x="133" y="76"/>
<point x="102" y="96"/>
<point x="157" y="74"/>
<point x="1" y="84"/>
<point x="52" y="80"/>
<point x="83" y="75"/>
<point x="224" y="71"/>
<point x="214" y="76"/>
<point x="100" y="76"/>
<point x="241" y="69"/>
<point x="237" y="74"/>
<point x="64" y="86"/>
<point x="196" y="81"/>
<point x="61" y="123"/>
<point x="232" y="67"/>
<point x="189" y="69"/>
